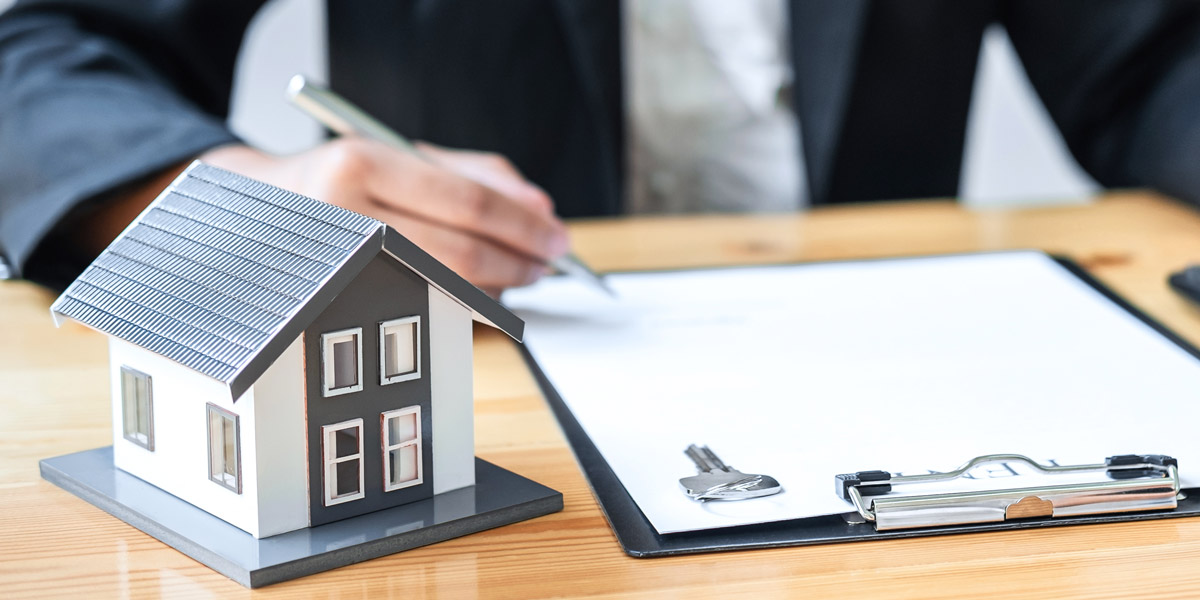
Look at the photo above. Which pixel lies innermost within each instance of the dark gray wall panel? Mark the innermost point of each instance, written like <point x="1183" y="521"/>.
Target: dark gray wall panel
<point x="384" y="290"/>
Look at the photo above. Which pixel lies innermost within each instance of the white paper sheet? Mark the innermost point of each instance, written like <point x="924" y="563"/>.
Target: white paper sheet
<point x="802" y="372"/>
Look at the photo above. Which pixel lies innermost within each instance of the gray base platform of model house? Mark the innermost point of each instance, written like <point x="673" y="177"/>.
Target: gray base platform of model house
<point x="499" y="497"/>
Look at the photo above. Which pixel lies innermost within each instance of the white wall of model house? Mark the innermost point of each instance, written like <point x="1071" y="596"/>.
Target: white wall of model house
<point x="272" y="446"/>
<point x="452" y="399"/>
<point x="281" y="447"/>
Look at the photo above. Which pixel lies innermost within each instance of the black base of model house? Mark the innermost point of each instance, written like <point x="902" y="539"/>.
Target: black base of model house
<point x="499" y="497"/>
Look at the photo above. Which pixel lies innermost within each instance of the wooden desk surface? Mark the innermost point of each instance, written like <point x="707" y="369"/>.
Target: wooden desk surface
<point x="53" y="401"/>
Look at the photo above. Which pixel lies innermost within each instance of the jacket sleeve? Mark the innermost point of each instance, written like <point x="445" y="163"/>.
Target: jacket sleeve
<point x="1121" y="78"/>
<point x="97" y="94"/>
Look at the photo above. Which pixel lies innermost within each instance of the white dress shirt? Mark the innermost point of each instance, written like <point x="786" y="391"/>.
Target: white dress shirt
<point x="709" y="127"/>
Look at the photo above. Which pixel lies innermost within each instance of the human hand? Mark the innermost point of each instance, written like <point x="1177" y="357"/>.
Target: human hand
<point x="471" y="210"/>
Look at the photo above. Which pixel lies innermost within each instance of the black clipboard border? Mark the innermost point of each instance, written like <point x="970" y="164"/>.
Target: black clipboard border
<point x="638" y="538"/>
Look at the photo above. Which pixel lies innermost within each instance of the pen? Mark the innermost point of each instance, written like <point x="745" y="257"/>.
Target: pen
<point x="339" y="115"/>
<point x="1187" y="283"/>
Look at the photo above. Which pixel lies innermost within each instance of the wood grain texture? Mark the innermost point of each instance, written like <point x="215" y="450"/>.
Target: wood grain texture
<point x="53" y="401"/>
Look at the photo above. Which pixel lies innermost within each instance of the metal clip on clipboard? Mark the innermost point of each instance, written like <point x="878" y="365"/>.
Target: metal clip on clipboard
<point x="1135" y="483"/>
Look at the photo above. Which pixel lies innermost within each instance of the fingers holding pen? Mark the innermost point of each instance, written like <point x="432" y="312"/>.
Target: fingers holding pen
<point x="492" y="239"/>
<point x="409" y="184"/>
<point x="473" y="208"/>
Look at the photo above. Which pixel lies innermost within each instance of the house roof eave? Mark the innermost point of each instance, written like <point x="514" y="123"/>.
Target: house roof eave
<point x="483" y="308"/>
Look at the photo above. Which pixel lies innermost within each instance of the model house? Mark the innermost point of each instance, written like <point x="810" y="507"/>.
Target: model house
<point x="280" y="362"/>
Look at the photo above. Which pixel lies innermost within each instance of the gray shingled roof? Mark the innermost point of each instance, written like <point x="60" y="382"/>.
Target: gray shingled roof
<point x="222" y="272"/>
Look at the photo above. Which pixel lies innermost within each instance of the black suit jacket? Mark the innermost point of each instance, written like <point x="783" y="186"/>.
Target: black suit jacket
<point x="95" y="94"/>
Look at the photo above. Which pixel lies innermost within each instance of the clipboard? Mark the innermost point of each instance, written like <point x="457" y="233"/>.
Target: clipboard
<point x="638" y="537"/>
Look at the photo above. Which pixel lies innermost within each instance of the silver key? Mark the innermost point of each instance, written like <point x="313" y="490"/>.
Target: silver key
<point x="718" y="481"/>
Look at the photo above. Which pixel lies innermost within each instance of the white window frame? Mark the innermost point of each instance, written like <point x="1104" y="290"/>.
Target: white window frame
<point x="327" y="367"/>
<point x="138" y="438"/>
<point x="388" y="446"/>
<point x="236" y="485"/>
<point x="416" y="372"/>
<point x="329" y="451"/>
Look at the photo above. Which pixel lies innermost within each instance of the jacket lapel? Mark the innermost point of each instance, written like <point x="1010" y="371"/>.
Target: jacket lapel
<point x="826" y="37"/>
<point x="592" y="29"/>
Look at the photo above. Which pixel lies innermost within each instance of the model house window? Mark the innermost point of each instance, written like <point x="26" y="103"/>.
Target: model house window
<point x="224" y="449"/>
<point x="343" y="449"/>
<point x="401" y="448"/>
<point x="399" y="350"/>
<point x="342" y="358"/>
<point x="137" y="405"/>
